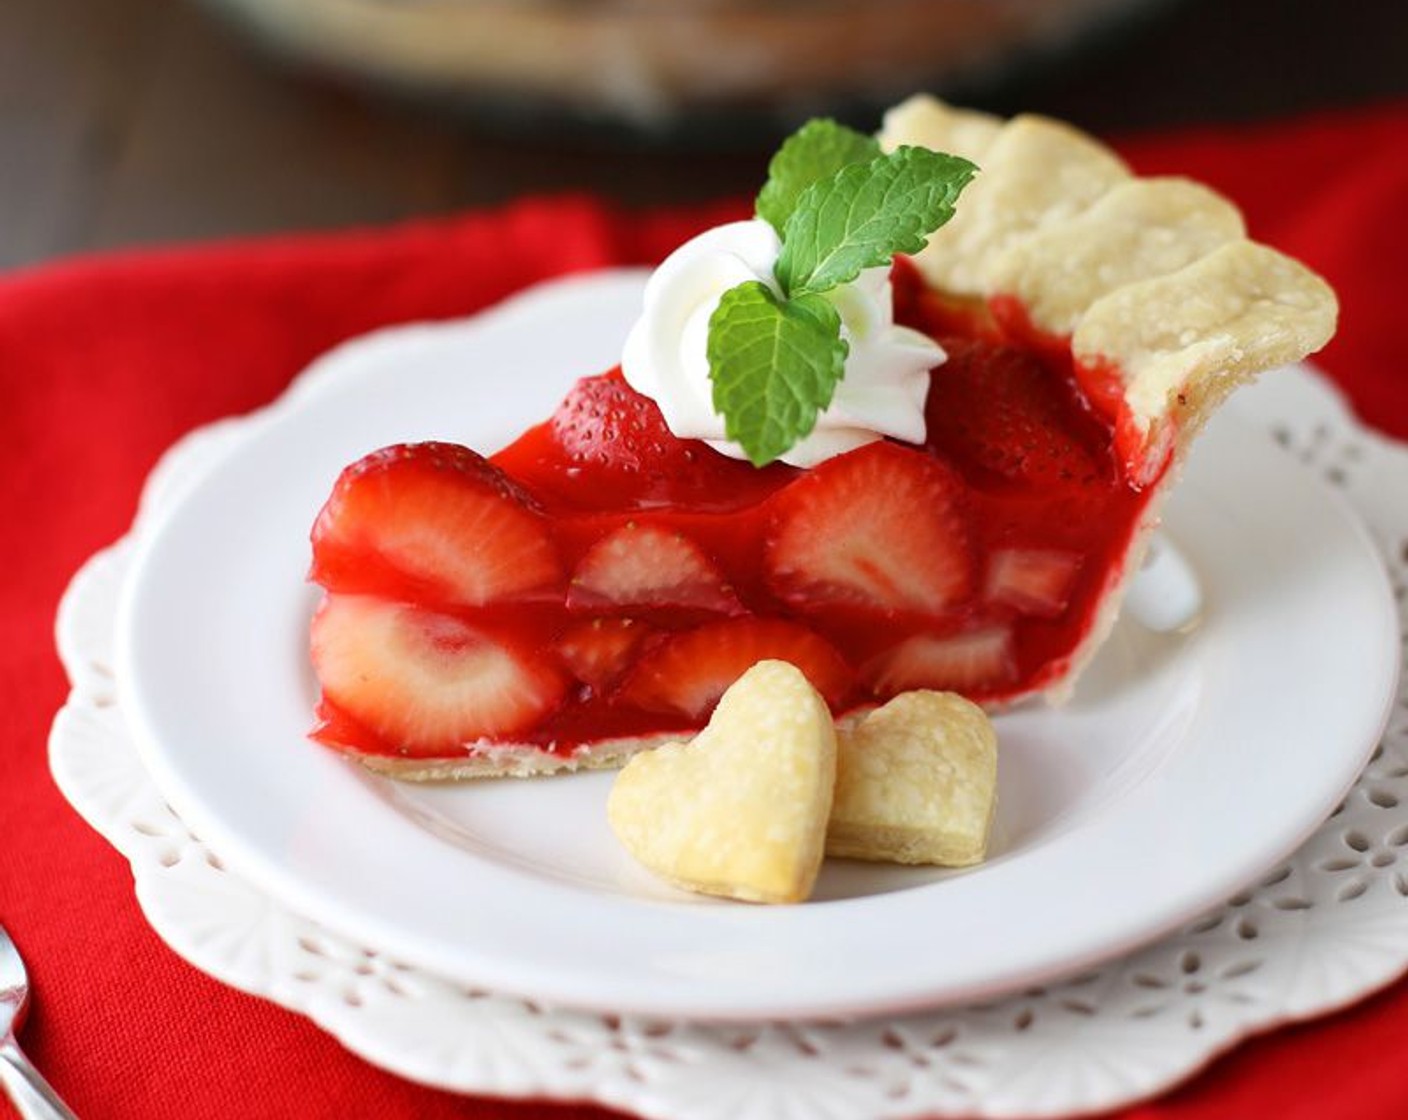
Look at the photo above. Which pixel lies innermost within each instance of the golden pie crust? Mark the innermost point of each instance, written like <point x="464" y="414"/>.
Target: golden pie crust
<point x="1154" y="277"/>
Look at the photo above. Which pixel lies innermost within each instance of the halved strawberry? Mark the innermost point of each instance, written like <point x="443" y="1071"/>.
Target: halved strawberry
<point x="424" y="682"/>
<point x="599" y="651"/>
<point x="998" y="410"/>
<point x="1036" y="581"/>
<point x="603" y="422"/>
<point x="882" y="526"/>
<point x="689" y="672"/>
<point x="608" y="432"/>
<point x="648" y="566"/>
<point x="432" y="521"/>
<point x="977" y="661"/>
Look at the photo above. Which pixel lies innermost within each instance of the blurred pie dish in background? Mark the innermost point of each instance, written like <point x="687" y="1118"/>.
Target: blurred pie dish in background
<point x="654" y="63"/>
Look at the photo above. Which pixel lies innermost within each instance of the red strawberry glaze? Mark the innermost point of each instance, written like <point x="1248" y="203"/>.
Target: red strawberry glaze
<point x="1004" y="319"/>
<point x="1020" y="469"/>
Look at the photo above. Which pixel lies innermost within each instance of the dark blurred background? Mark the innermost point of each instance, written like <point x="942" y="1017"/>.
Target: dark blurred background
<point x="142" y="121"/>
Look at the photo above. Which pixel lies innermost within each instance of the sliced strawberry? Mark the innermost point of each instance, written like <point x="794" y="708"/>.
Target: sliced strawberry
<point x="978" y="661"/>
<point x="688" y="673"/>
<point x="424" y="682"/>
<point x="1035" y="581"/>
<point x="649" y="566"/>
<point x="882" y="526"/>
<point x="997" y="410"/>
<point x="599" y="651"/>
<point x="432" y="521"/>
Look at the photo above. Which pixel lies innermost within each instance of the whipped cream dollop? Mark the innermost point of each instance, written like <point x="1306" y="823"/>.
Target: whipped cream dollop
<point x="666" y="355"/>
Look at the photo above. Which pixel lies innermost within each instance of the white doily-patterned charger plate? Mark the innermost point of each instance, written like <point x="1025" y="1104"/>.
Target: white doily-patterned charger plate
<point x="1325" y="928"/>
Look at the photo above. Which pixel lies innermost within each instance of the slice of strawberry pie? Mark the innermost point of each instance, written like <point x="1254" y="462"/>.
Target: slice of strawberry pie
<point x="895" y="455"/>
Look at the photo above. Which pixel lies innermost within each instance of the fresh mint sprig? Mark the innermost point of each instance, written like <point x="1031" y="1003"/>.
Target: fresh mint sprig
<point x="840" y="206"/>
<point x="816" y="151"/>
<point x="864" y="214"/>
<point x="775" y="364"/>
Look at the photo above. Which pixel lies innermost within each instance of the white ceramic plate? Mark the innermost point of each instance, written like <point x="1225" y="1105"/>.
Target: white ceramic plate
<point x="1188" y="763"/>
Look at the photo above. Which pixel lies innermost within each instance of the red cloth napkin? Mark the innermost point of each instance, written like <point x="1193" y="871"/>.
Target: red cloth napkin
<point x="104" y="362"/>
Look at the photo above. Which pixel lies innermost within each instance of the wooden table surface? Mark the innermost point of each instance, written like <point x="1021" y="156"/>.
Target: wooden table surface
<point x="142" y="121"/>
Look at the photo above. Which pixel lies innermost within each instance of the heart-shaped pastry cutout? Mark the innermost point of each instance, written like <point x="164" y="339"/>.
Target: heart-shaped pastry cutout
<point x="916" y="782"/>
<point x="741" y="810"/>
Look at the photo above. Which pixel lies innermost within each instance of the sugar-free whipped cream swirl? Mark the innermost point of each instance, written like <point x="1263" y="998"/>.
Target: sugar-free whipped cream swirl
<point x="666" y="355"/>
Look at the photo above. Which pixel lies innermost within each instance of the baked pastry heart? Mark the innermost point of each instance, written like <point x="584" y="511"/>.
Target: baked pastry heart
<point x="740" y="811"/>
<point x="916" y="782"/>
<point x="594" y="587"/>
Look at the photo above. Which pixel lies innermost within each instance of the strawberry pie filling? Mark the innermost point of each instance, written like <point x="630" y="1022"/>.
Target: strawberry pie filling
<point x="601" y="579"/>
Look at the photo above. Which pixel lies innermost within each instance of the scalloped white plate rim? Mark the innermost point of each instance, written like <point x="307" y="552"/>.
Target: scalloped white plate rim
<point x="315" y="838"/>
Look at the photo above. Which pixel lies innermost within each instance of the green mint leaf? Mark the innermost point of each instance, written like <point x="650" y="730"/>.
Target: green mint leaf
<point x="774" y="365"/>
<point x="817" y="150"/>
<point x="864" y="214"/>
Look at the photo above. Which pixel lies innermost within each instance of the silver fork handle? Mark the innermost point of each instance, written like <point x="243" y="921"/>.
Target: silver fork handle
<point x="33" y="1096"/>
